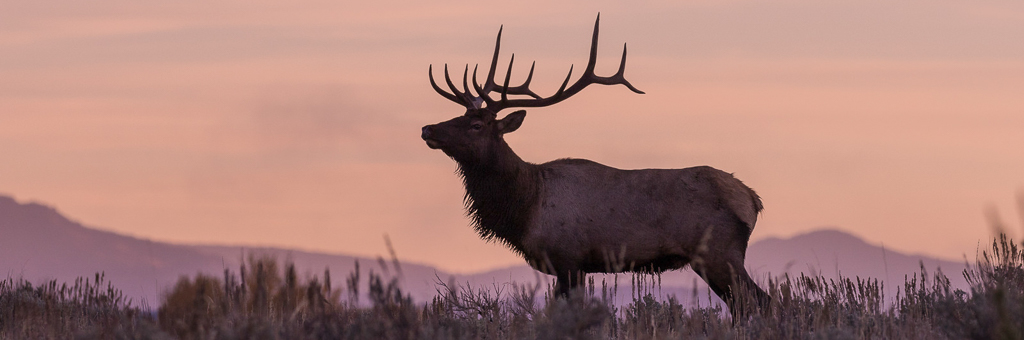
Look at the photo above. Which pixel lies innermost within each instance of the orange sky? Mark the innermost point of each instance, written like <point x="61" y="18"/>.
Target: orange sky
<point x="276" y="123"/>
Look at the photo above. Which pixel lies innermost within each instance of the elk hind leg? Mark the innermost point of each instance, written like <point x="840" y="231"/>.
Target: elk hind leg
<point x="730" y="281"/>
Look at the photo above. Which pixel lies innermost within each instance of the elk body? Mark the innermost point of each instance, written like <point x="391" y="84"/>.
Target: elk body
<point x="570" y="217"/>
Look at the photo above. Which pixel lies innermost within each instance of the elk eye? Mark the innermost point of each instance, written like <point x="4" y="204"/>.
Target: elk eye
<point x="477" y="126"/>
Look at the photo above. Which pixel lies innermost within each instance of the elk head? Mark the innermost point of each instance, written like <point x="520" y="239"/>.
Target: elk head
<point x="476" y="136"/>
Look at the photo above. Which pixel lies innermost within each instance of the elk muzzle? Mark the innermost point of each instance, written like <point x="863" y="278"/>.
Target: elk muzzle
<point x="431" y="143"/>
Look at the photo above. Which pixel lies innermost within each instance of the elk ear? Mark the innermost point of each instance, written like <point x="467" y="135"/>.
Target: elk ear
<point x="512" y="121"/>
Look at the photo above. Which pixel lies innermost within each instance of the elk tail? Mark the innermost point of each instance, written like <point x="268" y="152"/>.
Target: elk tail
<point x="742" y="200"/>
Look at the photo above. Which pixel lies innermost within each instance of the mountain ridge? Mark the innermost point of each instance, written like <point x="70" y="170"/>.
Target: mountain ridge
<point x="39" y="243"/>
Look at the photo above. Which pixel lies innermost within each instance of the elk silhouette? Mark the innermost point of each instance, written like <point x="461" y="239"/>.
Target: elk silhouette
<point x="570" y="217"/>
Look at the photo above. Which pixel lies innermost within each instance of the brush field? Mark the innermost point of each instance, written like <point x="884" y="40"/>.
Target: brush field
<point x="264" y="300"/>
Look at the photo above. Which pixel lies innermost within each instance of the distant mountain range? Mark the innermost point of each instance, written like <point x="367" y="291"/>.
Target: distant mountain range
<point x="38" y="243"/>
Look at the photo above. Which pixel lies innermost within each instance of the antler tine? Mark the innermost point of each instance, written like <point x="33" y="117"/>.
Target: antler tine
<point x="449" y="96"/>
<point x="589" y="76"/>
<point x="564" y="82"/>
<point x="508" y="75"/>
<point x="524" y="88"/>
<point x="481" y="91"/>
<point x="593" y="49"/>
<point x="465" y="86"/>
<point x="476" y="85"/>
<point x="455" y="90"/>
<point x="622" y="69"/>
<point x="489" y="84"/>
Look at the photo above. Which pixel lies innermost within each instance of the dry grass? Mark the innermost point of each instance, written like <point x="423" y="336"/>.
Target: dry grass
<point x="265" y="301"/>
<point x="85" y="309"/>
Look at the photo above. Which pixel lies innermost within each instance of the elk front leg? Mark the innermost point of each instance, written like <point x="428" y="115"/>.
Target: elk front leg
<point x="568" y="281"/>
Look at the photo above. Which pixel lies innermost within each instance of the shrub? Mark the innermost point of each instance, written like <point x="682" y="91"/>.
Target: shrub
<point x="265" y="302"/>
<point x="88" y="308"/>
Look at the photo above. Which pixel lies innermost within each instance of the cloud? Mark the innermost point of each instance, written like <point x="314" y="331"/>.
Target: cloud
<point x="317" y="118"/>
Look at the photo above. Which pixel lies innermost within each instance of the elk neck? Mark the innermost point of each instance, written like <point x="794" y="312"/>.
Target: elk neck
<point x="501" y="194"/>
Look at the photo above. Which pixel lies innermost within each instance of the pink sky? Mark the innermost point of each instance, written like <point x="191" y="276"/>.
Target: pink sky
<point x="297" y="125"/>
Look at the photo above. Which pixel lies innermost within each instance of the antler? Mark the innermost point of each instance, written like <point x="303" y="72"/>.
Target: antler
<point x="589" y="77"/>
<point x="463" y="98"/>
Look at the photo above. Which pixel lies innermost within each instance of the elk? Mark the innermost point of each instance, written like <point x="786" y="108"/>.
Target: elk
<point x="570" y="217"/>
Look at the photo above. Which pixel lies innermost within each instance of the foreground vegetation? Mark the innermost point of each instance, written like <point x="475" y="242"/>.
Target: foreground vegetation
<point x="264" y="301"/>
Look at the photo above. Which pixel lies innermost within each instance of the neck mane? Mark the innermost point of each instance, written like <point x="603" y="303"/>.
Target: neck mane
<point x="501" y="194"/>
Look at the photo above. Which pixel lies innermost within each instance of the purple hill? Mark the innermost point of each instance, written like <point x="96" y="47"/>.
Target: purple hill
<point x="37" y="243"/>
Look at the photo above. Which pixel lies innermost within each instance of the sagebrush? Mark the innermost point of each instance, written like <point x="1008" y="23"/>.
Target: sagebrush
<point x="263" y="300"/>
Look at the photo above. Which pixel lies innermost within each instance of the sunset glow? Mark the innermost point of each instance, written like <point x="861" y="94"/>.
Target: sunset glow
<point x="297" y="125"/>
